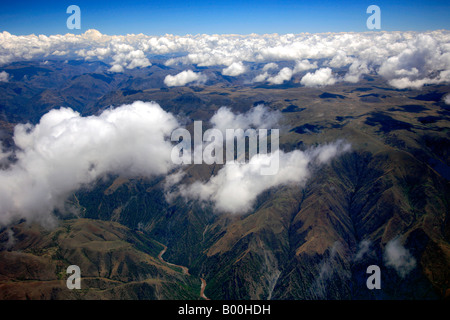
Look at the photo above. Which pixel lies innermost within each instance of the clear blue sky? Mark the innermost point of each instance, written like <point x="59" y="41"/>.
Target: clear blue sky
<point x="231" y="16"/>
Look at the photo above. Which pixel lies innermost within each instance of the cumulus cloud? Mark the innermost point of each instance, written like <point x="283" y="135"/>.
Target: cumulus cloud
<point x="116" y="68"/>
<point x="259" y="117"/>
<point x="285" y="74"/>
<point x="340" y="59"/>
<point x="447" y="99"/>
<point x="237" y="185"/>
<point x="304" y="65"/>
<point x="4" y="76"/>
<point x="183" y="78"/>
<point x="414" y="66"/>
<point x="65" y="151"/>
<point x="320" y="78"/>
<point x="235" y="69"/>
<point x="404" y="59"/>
<point x="129" y="59"/>
<point x="270" y="66"/>
<point x="355" y="71"/>
<point x="399" y="258"/>
<point x="261" y="77"/>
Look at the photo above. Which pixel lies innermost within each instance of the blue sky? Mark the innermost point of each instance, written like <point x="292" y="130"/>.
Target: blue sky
<point x="222" y="17"/>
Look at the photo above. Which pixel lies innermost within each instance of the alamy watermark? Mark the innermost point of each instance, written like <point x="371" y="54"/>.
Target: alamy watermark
<point x="74" y="280"/>
<point x="74" y="20"/>
<point x="374" y="21"/>
<point x="257" y="148"/>
<point x="374" y="280"/>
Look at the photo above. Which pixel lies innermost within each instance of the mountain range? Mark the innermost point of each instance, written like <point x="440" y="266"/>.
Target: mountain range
<point x="385" y="202"/>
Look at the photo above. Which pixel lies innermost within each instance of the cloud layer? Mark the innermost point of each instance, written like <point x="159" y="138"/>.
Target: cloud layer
<point x="404" y="59"/>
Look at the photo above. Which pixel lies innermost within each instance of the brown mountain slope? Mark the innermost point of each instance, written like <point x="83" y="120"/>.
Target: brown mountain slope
<point x="303" y="243"/>
<point x="115" y="263"/>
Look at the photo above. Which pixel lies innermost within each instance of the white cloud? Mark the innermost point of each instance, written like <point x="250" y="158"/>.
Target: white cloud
<point x="447" y="99"/>
<point x="183" y="78"/>
<point x="321" y="77"/>
<point x="340" y="59"/>
<point x="405" y="82"/>
<point x="170" y="181"/>
<point x="65" y="151"/>
<point x="235" y="69"/>
<point x="355" y="71"/>
<point x="116" y="68"/>
<point x="4" y="76"/>
<point x="259" y="117"/>
<point x="126" y="57"/>
<point x="237" y="185"/>
<point x="11" y="239"/>
<point x="304" y="65"/>
<point x="363" y="249"/>
<point x="261" y="77"/>
<point x="415" y="65"/>
<point x="399" y="258"/>
<point x="270" y="66"/>
<point x="285" y="74"/>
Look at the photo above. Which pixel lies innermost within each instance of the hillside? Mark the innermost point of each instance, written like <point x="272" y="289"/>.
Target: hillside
<point x="115" y="263"/>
